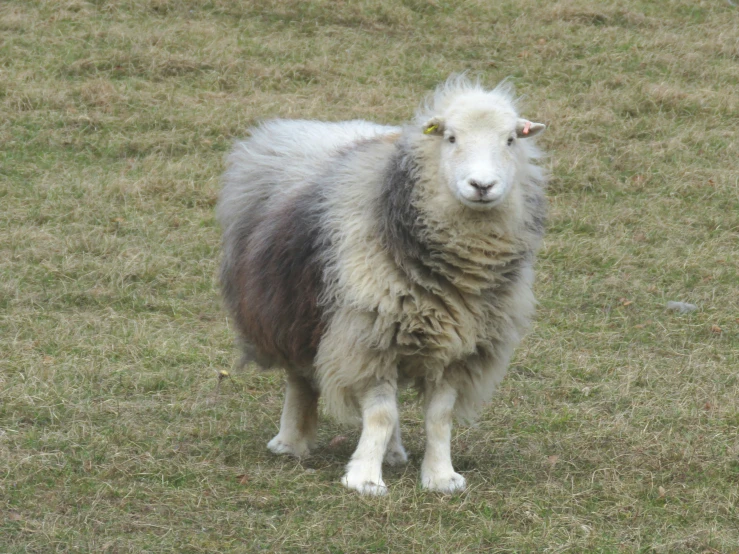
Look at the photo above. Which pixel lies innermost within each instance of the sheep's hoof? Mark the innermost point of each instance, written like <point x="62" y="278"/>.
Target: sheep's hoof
<point x="297" y="448"/>
<point x="445" y="483"/>
<point x="369" y="488"/>
<point x="396" y="456"/>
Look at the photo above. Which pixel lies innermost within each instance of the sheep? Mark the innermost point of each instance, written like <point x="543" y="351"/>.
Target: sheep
<point x="361" y="257"/>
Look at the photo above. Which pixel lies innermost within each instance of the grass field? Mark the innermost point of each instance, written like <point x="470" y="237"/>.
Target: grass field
<point x="617" y="429"/>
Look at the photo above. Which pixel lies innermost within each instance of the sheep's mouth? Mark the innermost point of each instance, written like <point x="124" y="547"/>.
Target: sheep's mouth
<point x="481" y="203"/>
<point x="488" y="201"/>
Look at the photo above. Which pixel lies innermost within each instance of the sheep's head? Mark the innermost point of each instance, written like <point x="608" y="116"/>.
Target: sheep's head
<point x="481" y="149"/>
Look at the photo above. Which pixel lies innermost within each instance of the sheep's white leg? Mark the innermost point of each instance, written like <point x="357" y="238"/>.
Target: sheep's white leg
<point x="437" y="473"/>
<point x="379" y="420"/>
<point x="299" y="420"/>
<point x="395" y="454"/>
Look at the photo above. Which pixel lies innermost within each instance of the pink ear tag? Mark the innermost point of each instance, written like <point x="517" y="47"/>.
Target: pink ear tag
<point x="526" y="127"/>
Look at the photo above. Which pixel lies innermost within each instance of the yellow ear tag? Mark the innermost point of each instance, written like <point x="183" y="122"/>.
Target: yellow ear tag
<point x="430" y="129"/>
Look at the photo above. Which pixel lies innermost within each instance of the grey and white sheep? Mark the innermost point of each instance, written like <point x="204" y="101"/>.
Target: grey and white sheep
<point x="361" y="257"/>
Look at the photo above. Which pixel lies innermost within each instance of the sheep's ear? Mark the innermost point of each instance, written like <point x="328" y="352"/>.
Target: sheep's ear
<point x="525" y="128"/>
<point x="434" y="126"/>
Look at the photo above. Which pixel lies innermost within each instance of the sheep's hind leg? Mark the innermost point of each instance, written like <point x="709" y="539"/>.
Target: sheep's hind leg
<point x="299" y="420"/>
<point x="437" y="473"/>
<point x="395" y="454"/>
<point x="379" y="420"/>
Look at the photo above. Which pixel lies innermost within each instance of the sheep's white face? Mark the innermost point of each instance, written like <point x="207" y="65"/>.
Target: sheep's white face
<point x="480" y="153"/>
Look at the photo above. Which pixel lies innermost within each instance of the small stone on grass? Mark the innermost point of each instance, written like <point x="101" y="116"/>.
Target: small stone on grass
<point x="681" y="307"/>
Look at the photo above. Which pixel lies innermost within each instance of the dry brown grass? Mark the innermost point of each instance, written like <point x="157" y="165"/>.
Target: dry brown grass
<point x="616" y="430"/>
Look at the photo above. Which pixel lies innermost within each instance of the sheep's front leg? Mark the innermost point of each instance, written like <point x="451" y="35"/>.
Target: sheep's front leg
<point x="379" y="420"/>
<point x="299" y="421"/>
<point x="437" y="473"/>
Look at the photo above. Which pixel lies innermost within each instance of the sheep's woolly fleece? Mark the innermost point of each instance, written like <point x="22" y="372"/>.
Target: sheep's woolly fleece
<point x="397" y="280"/>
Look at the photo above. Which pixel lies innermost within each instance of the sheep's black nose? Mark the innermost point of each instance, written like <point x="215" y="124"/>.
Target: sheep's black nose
<point x="482" y="187"/>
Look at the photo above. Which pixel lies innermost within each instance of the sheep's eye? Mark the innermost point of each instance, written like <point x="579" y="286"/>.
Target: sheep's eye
<point x="510" y="140"/>
<point x="452" y="139"/>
